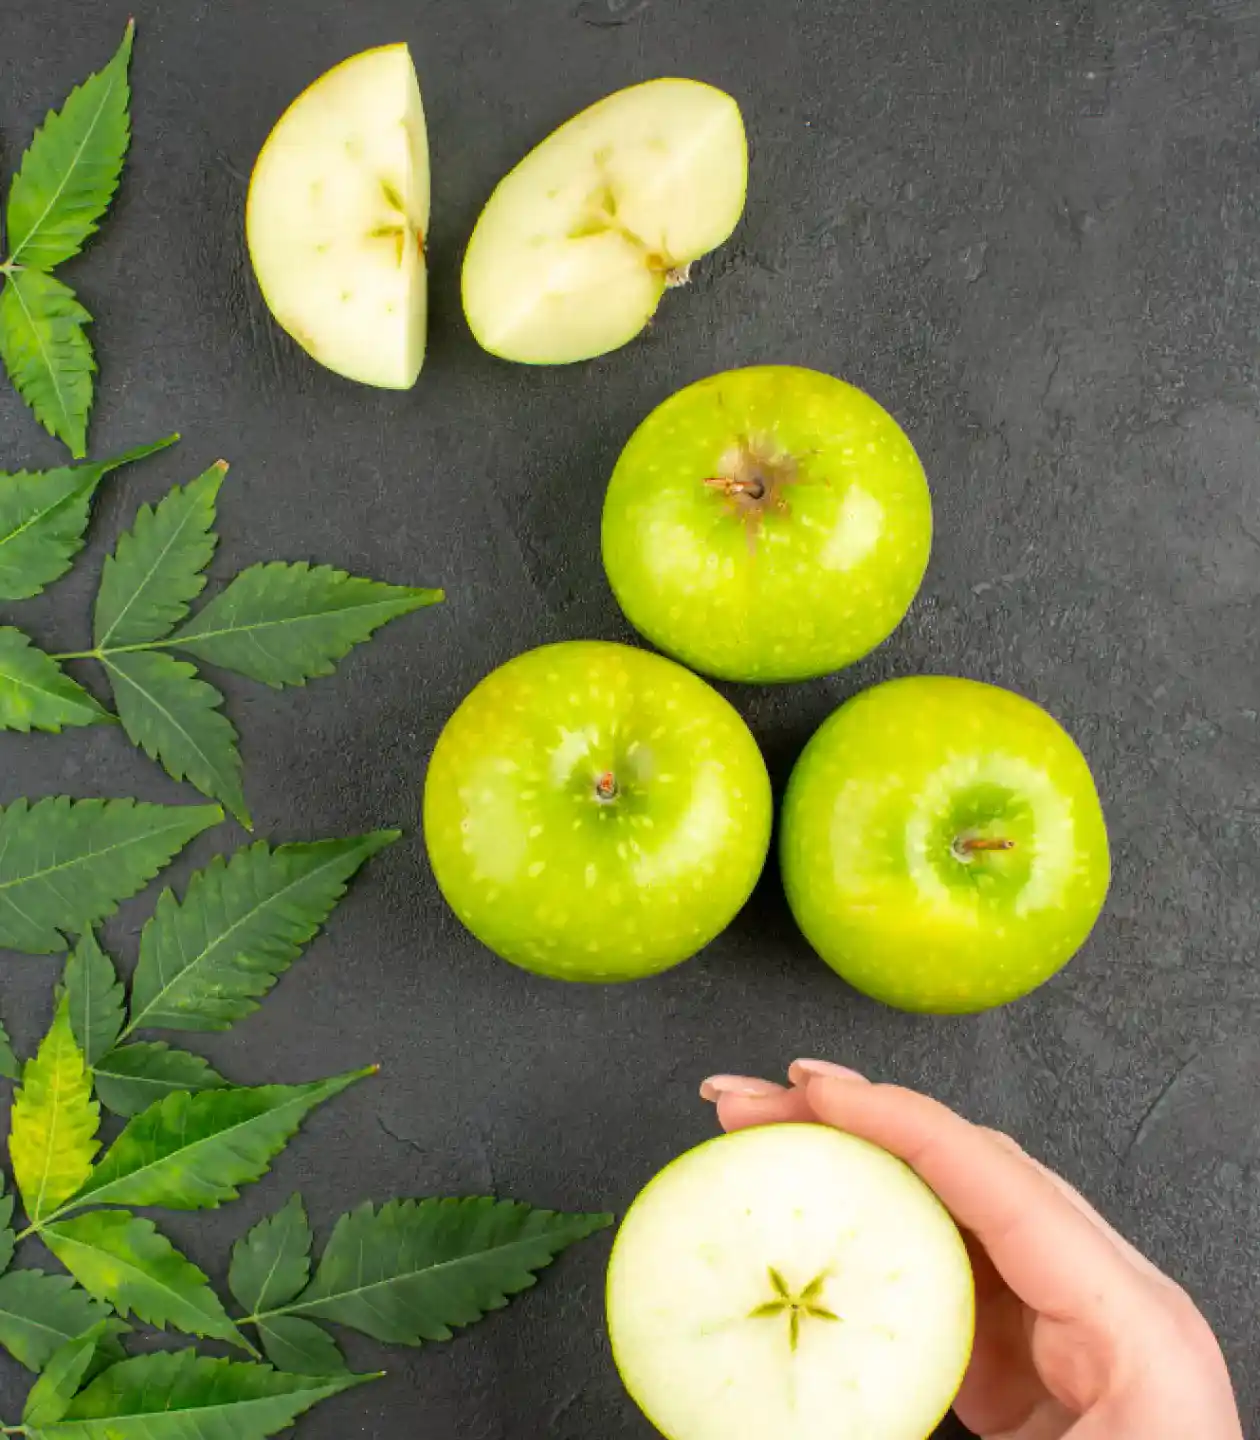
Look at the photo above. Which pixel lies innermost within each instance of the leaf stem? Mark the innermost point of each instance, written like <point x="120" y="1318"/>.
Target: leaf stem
<point x="77" y="655"/>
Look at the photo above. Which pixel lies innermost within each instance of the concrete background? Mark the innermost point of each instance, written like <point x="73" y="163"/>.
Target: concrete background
<point x="1031" y="232"/>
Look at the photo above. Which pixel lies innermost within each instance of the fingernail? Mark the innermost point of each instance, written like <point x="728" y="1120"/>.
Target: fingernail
<point x="801" y="1071"/>
<point x="746" y="1085"/>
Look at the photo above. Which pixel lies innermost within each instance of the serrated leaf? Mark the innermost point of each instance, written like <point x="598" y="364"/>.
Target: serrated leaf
<point x="8" y="1240"/>
<point x="185" y="1396"/>
<point x="272" y="1263"/>
<point x="205" y="963"/>
<point x="68" y="1369"/>
<point x="52" y="1135"/>
<point x="95" y="997"/>
<point x="132" y="1077"/>
<point x="66" y="864"/>
<point x="300" y="1346"/>
<point x="191" y="1152"/>
<point x="39" y="1313"/>
<point x="414" y="1269"/>
<point x="43" y="517"/>
<point x="10" y="1066"/>
<point x="71" y="168"/>
<point x="36" y="694"/>
<point x="285" y="624"/>
<point x="174" y="717"/>
<point x="124" y="1260"/>
<point x="155" y="570"/>
<point x="47" y="353"/>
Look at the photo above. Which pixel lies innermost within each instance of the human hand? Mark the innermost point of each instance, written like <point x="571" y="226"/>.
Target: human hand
<point x="1078" y="1336"/>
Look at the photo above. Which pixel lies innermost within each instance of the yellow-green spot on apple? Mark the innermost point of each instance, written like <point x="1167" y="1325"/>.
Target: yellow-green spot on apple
<point x="767" y="524"/>
<point x="595" y="812"/>
<point x="337" y="214"/>
<point x="576" y="246"/>
<point x="943" y="846"/>
<point x="753" y="1292"/>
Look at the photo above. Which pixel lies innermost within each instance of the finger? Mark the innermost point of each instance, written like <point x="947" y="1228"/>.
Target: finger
<point x="742" y="1112"/>
<point x="1054" y="1259"/>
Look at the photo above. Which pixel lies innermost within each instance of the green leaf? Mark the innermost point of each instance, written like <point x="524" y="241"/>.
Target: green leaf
<point x="35" y="693"/>
<point x="300" y="1346"/>
<point x="71" y="170"/>
<point x="43" y="517"/>
<point x="413" y="1269"/>
<point x="286" y="624"/>
<point x="206" y="963"/>
<point x="68" y="1369"/>
<point x="10" y="1066"/>
<point x="127" y="1262"/>
<point x="96" y="998"/>
<point x="185" y="1396"/>
<point x="47" y="353"/>
<point x="52" y="1135"/>
<point x="132" y="1077"/>
<point x="175" y="719"/>
<point x="39" y="1313"/>
<point x="272" y="1263"/>
<point x="8" y="1240"/>
<point x="190" y="1152"/>
<point x="155" y="570"/>
<point x="65" y="864"/>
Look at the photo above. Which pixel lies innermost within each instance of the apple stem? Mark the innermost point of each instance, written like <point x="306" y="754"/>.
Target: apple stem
<point x="755" y="488"/>
<point x="606" y="786"/>
<point x="971" y="845"/>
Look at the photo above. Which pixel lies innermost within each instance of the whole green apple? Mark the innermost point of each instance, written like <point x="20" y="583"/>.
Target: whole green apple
<point x="767" y="524"/>
<point x="595" y="812"/>
<point x="943" y="846"/>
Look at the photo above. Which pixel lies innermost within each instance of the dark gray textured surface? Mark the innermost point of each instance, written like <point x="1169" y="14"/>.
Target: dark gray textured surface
<point x="1031" y="231"/>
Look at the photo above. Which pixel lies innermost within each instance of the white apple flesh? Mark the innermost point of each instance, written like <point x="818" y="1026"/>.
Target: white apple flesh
<point x="790" y="1283"/>
<point x="337" y="215"/>
<point x="577" y="245"/>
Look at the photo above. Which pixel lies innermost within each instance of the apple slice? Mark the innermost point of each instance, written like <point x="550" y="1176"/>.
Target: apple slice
<point x="577" y="245"/>
<point x="790" y="1283"/>
<point x="336" y="218"/>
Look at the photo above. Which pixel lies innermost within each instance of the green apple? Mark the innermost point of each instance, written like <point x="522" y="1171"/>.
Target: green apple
<point x="594" y="812"/>
<point x="336" y="218"/>
<point x="577" y="245"/>
<point x="790" y="1283"/>
<point x="943" y="845"/>
<point x="767" y="524"/>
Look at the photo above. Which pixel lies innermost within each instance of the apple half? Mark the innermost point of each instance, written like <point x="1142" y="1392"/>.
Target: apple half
<point x="577" y="245"/>
<point x="790" y="1283"/>
<point x="337" y="215"/>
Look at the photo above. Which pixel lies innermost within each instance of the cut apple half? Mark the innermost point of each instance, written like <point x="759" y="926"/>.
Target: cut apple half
<point x="577" y="245"/>
<point x="790" y="1283"/>
<point x="337" y="216"/>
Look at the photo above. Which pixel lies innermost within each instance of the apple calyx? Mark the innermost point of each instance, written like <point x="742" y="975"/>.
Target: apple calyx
<point x="797" y="1307"/>
<point x="606" y="788"/>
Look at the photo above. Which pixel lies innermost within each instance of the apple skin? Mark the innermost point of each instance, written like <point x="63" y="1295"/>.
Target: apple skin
<point x="876" y="806"/>
<point x="790" y="583"/>
<point x="595" y="812"/>
<point x="723" y="1231"/>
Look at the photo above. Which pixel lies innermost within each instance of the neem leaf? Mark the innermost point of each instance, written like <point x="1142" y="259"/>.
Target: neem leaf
<point x="190" y="1152"/>
<point x="175" y="719"/>
<point x="132" y="1077"/>
<point x="155" y="570"/>
<point x="126" y="1261"/>
<point x="300" y="1346"/>
<point x="47" y="353"/>
<point x="52" y="1135"/>
<point x="10" y="1066"/>
<point x="65" y="864"/>
<point x="96" y="999"/>
<point x="43" y="517"/>
<point x="71" y="169"/>
<point x="50" y="1396"/>
<point x="35" y="693"/>
<point x="285" y="624"/>
<point x="39" y="1313"/>
<point x="186" y="1396"/>
<point x="207" y="962"/>
<point x="272" y="1263"/>
<point x="413" y="1269"/>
